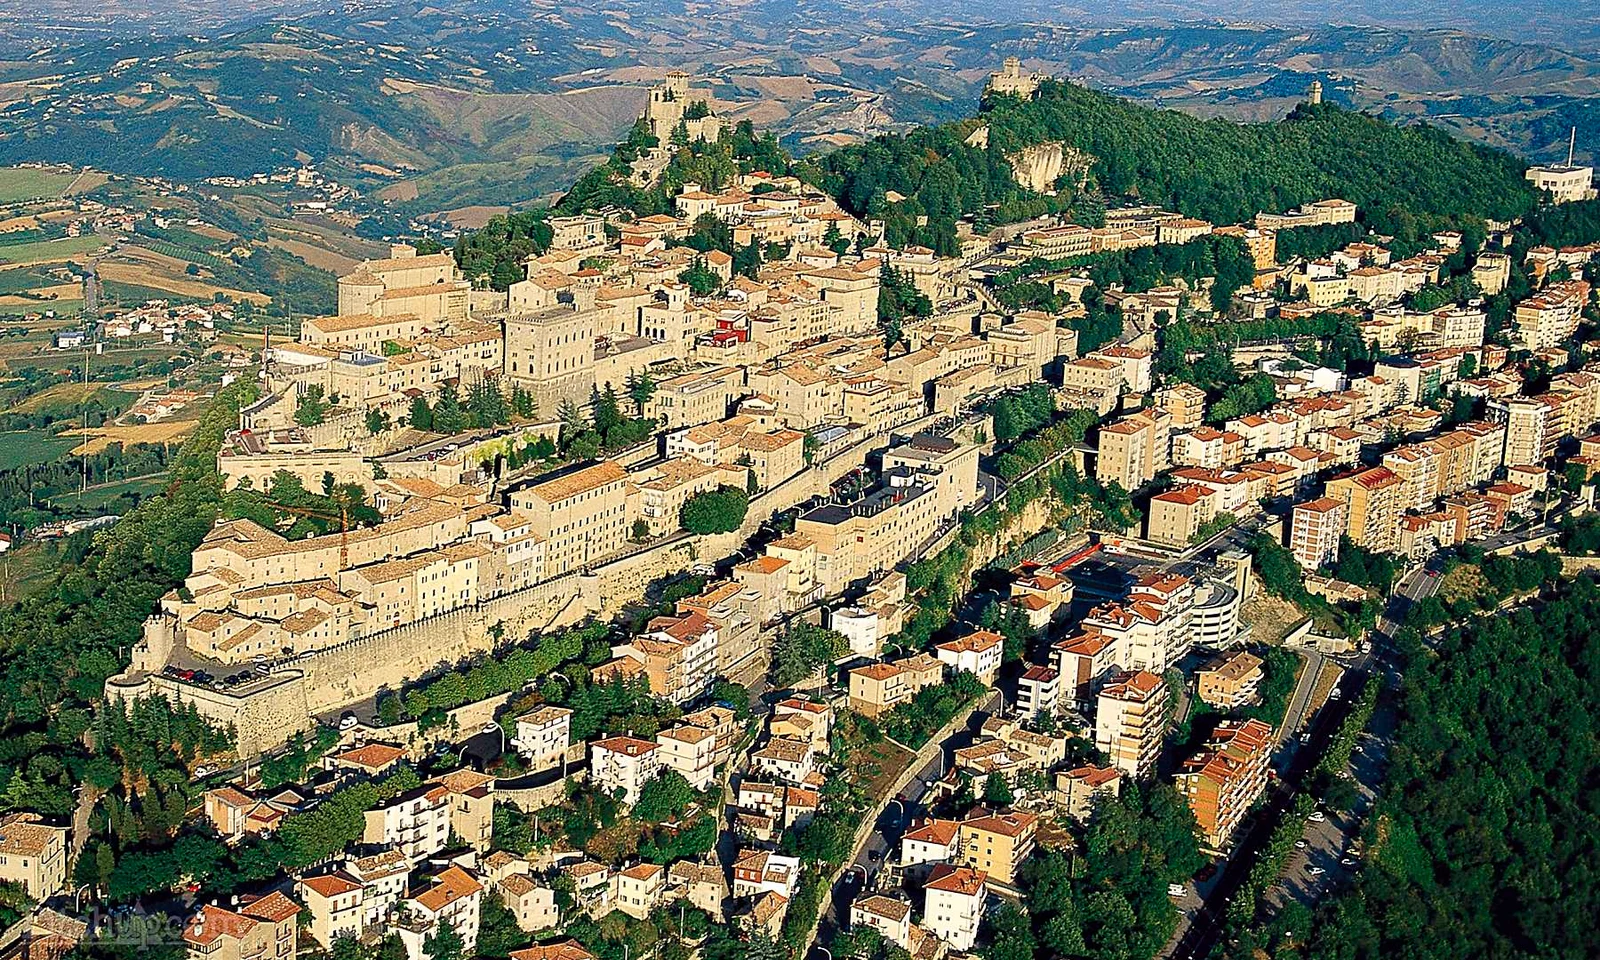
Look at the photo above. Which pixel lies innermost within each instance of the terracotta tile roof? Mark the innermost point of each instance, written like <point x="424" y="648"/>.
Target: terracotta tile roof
<point x="448" y="887"/>
<point x="961" y="880"/>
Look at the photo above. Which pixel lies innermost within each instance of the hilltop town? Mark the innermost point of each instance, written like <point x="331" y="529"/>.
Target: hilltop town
<point x="740" y="577"/>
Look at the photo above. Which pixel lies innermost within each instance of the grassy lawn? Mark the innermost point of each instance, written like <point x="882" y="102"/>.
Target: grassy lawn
<point x="21" y="447"/>
<point x="18" y="184"/>
<point x="108" y="494"/>
<point x="27" y="569"/>
<point x="63" y="308"/>
<point x="51" y="251"/>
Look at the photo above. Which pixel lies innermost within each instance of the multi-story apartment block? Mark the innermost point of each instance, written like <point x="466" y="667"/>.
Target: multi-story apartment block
<point x="1151" y="624"/>
<point x="417" y="822"/>
<point x="1038" y="691"/>
<point x="998" y="843"/>
<point x="679" y="654"/>
<point x="1134" y="449"/>
<point x="354" y="899"/>
<point x="1177" y="515"/>
<point x="953" y="908"/>
<point x="978" y="653"/>
<point x="471" y="802"/>
<point x="1315" y="530"/>
<point x="33" y="855"/>
<point x="582" y="515"/>
<point x="1223" y="780"/>
<point x="1550" y="317"/>
<point x="453" y="897"/>
<point x="623" y="764"/>
<point x="1130" y="719"/>
<point x="1078" y="788"/>
<point x="691" y="751"/>
<point x="543" y="736"/>
<point x="1230" y="680"/>
<point x="877" y="688"/>
<point x="1084" y="661"/>
<point x="264" y="928"/>
<point x="1374" y="502"/>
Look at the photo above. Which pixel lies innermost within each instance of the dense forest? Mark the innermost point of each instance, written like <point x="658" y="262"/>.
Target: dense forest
<point x="1482" y="844"/>
<point x="1406" y="181"/>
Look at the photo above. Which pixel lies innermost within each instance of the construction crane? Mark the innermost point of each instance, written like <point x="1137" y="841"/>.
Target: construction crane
<point x="344" y="524"/>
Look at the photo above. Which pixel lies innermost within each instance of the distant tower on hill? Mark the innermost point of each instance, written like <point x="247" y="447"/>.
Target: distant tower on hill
<point x="1314" y="95"/>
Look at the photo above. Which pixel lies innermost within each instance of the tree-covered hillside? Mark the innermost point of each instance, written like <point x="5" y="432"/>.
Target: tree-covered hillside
<point x="1405" y="180"/>
<point x="1483" y="843"/>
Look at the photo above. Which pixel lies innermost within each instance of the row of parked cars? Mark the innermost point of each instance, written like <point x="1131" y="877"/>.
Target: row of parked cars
<point x="205" y="679"/>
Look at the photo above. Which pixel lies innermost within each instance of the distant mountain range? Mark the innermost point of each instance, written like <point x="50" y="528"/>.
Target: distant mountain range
<point x="503" y="101"/>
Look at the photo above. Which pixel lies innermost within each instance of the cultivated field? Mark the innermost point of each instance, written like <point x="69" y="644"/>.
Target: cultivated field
<point x="19" y="448"/>
<point x="167" y="431"/>
<point x="62" y="395"/>
<point x="50" y="251"/>
<point x="139" y="267"/>
<point x="18" y="184"/>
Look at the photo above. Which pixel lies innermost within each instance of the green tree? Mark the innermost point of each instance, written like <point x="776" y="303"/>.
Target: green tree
<point x="996" y="791"/>
<point x="312" y="407"/>
<point x="377" y="421"/>
<point x="641" y="387"/>
<point x="715" y="511"/>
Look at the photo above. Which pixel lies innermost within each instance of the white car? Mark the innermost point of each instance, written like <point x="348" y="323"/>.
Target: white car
<point x="1177" y="891"/>
<point x="1301" y="844"/>
<point x="1317" y="816"/>
<point x="1338" y="692"/>
<point x="1316" y="871"/>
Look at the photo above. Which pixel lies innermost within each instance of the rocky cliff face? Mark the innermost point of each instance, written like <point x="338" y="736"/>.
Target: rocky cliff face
<point x="1040" y="166"/>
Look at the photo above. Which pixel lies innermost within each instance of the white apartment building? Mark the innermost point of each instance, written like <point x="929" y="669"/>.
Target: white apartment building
<point x="625" y="764"/>
<point x="953" y="909"/>
<point x="543" y="736"/>
<point x="691" y="751"/>
<point x="416" y="823"/>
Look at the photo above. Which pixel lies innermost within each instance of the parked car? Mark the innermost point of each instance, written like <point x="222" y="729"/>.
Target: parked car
<point x="1301" y="844"/>
<point x="1317" y="816"/>
<point x="1177" y="891"/>
<point x="347" y="720"/>
<point x="1337" y="694"/>
<point x="1316" y="871"/>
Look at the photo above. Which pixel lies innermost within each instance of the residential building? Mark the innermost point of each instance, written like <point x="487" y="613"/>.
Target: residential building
<point x="978" y="653"/>
<point x="1315" y="530"/>
<point x="1373" y="504"/>
<point x="33" y="855"/>
<point x="455" y="897"/>
<point x="953" y="908"/>
<point x="1134" y="449"/>
<point x="1178" y="515"/>
<point x="416" y="823"/>
<point x="640" y="889"/>
<point x="623" y="764"/>
<point x="756" y="872"/>
<point x="532" y="903"/>
<point x="471" y="802"/>
<point x="1130" y="720"/>
<point x="1230" y="680"/>
<point x="1084" y="661"/>
<point x="888" y="916"/>
<point x="543" y="736"/>
<point x="1038" y="691"/>
<point x="1078" y="788"/>
<point x="691" y="751"/>
<point x="1225" y="778"/>
<point x="998" y="843"/>
<point x="582" y="515"/>
<point x="265" y="928"/>
<point x="877" y="688"/>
